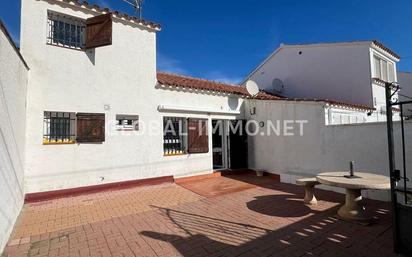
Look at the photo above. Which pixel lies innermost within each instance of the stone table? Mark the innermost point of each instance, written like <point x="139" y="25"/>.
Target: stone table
<point x="354" y="210"/>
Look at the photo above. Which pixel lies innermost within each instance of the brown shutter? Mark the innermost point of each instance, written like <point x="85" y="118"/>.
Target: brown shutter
<point x="99" y="31"/>
<point x="90" y="127"/>
<point x="198" y="138"/>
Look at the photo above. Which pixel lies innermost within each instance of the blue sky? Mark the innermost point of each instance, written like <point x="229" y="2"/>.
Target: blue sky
<point x="225" y="40"/>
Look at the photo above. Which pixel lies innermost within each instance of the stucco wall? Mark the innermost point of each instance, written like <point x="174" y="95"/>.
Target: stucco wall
<point x="13" y="81"/>
<point x="321" y="148"/>
<point x="121" y="76"/>
<point x="338" y="72"/>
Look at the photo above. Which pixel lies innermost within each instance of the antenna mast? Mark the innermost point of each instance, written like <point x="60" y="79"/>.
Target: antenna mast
<point x="137" y="5"/>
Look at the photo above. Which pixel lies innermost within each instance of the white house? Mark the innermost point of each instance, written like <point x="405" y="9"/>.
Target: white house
<point x="352" y="72"/>
<point x="90" y="110"/>
<point x="86" y="109"/>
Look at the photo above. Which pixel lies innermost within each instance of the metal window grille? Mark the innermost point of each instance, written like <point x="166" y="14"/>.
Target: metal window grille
<point x="174" y="139"/>
<point x="59" y="127"/>
<point x="65" y="31"/>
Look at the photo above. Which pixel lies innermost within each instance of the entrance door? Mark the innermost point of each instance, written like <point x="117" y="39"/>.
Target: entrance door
<point x="219" y="148"/>
<point x="238" y="147"/>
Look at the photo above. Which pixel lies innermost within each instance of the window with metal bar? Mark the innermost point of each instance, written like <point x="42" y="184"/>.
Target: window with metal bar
<point x="59" y="127"/>
<point x="174" y="136"/>
<point x="65" y="30"/>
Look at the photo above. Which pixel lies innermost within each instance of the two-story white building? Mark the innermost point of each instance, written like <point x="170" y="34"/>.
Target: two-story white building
<point x="352" y="72"/>
<point x="94" y="100"/>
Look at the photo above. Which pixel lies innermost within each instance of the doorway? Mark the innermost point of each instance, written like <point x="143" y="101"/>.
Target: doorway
<point x="229" y="144"/>
<point x="238" y="147"/>
<point x="219" y="144"/>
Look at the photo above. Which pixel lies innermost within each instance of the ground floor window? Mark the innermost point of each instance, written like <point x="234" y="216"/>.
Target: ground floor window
<point x="174" y="136"/>
<point x="182" y="135"/>
<point x="59" y="127"/>
<point x="70" y="127"/>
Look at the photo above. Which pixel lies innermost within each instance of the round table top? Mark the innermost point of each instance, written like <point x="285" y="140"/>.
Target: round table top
<point x="361" y="180"/>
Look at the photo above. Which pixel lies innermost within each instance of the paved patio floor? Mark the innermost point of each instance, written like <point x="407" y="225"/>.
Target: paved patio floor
<point x="267" y="219"/>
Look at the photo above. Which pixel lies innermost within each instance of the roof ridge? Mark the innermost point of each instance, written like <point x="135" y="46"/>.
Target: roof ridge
<point x="202" y="79"/>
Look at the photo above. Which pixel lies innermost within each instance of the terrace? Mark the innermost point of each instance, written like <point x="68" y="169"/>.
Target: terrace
<point x="232" y="215"/>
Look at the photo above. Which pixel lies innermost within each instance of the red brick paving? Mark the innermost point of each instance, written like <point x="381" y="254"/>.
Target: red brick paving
<point x="168" y="220"/>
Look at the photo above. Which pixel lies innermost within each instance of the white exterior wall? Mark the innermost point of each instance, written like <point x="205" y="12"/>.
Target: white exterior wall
<point x="321" y="148"/>
<point x="13" y="85"/>
<point x="337" y="72"/>
<point x="341" y="71"/>
<point x="123" y="76"/>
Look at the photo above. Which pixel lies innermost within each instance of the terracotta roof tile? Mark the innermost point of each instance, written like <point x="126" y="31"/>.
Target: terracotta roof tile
<point x="175" y="80"/>
<point x="169" y="79"/>
<point x="117" y="14"/>
<point x="381" y="46"/>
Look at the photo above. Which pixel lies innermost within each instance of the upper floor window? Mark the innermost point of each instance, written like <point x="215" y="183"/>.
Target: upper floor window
<point x="75" y="33"/>
<point x="65" y="30"/>
<point x="383" y="69"/>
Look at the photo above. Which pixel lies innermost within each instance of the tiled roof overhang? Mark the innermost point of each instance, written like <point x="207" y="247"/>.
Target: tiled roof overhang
<point x="116" y="14"/>
<point x="185" y="82"/>
<point x="386" y="49"/>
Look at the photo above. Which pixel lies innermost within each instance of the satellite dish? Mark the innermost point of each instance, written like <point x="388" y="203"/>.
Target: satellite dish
<point x="252" y="88"/>
<point x="278" y="86"/>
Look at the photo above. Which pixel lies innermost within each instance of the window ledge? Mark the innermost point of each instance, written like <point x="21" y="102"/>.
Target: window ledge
<point x="58" y="143"/>
<point x="174" y="154"/>
<point x="67" y="47"/>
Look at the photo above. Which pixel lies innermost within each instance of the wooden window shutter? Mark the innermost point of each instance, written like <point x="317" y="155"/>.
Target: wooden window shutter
<point x="90" y="128"/>
<point x="99" y="31"/>
<point x="198" y="138"/>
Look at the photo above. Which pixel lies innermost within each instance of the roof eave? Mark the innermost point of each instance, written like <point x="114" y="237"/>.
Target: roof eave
<point x="117" y="15"/>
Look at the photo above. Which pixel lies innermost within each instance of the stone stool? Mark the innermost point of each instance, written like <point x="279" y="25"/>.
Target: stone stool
<point x="308" y="184"/>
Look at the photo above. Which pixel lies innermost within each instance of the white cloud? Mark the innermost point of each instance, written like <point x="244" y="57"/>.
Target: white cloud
<point x="221" y="77"/>
<point x="169" y="64"/>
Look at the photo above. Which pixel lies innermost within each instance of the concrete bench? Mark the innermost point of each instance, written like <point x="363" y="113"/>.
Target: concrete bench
<point x="308" y="184"/>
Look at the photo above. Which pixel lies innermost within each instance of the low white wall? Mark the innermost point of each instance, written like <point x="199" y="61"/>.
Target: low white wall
<point x="321" y="147"/>
<point x="13" y="81"/>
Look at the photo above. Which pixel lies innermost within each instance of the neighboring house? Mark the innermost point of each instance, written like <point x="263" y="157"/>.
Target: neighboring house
<point x="352" y="72"/>
<point x="405" y="94"/>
